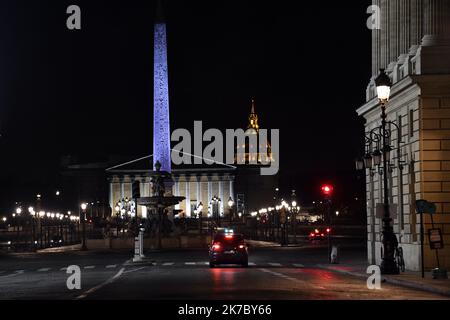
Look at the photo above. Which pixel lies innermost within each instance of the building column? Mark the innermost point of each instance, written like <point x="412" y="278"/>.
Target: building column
<point x="111" y="195"/>
<point x="209" y="193"/>
<point x="221" y="196"/>
<point x="376" y="48"/>
<point x="405" y="26"/>
<point x="384" y="34"/>
<point x="231" y="186"/>
<point x="188" y="197"/>
<point x="122" y="190"/>
<point x="199" y="191"/>
<point x="434" y="15"/>
<point x="177" y="190"/>
<point x="415" y="25"/>
<point x="393" y="32"/>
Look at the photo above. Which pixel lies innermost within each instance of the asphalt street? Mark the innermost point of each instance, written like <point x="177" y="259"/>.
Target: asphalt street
<point x="273" y="273"/>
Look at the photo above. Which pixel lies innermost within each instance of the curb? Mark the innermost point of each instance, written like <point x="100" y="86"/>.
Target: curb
<point x="402" y="283"/>
<point x="143" y="262"/>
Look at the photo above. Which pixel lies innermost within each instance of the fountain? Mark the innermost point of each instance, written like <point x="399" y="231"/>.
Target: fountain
<point x="160" y="200"/>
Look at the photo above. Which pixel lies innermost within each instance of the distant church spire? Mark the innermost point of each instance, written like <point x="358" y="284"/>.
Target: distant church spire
<point x="253" y="118"/>
<point x="161" y="119"/>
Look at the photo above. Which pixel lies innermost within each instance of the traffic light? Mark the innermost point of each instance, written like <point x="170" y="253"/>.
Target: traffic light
<point x="327" y="190"/>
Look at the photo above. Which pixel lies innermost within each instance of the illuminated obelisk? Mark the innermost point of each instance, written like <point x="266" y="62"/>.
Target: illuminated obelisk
<point x="161" y="119"/>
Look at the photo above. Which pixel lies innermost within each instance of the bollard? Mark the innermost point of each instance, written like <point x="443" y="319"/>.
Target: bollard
<point x="334" y="255"/>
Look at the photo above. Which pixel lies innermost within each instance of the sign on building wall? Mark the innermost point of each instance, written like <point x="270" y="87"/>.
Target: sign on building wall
<point x="435" y="238"/>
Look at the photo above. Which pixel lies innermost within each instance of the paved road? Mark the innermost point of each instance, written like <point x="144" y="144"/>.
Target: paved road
<point x="274" y="273"/>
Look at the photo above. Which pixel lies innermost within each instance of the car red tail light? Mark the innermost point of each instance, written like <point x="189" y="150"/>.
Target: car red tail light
<point x="241" y="246"/>
<point x="322" y="235"/>
<point x="216" y="247"/>
<point x="312" y="234"/>
<point x="229" y="236"/>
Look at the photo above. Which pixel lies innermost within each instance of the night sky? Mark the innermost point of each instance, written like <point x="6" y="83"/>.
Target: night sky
<point x="89" y="92"/>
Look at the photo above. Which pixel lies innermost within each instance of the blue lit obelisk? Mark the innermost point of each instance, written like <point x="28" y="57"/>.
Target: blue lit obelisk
<point x="161" y="119"/>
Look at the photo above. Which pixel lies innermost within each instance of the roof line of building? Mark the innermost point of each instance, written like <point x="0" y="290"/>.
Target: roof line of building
<point x="186" y="153"/>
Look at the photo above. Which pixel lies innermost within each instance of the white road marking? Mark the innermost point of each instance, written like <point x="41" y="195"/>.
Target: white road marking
<point x="298" y="265"/>
<point x="16" y="273"/>
<point x="109" y="281"/>
<point x="273" y="264"/>
<point x="168" y="264"/>
<point x="89" y="267"/>
<point x="134" y="270"/>
<point x="252" y="264"/>
<point x="44" y="270"/>
<point x="111" y="266"/>
<point x="190" y="263"/>
<point x="63" y="269"/>
<point x="283" y="276"/>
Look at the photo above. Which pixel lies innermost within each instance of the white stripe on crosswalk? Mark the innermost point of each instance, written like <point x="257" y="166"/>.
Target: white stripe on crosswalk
<point x="190" y="263"/>
<point x="274" y="264"/>
<point x="168" y="264"/>
<point x="111" y="266"/>
<point x="44" y="270"/>
<point x="90" y="267"/>
<point x="252" y="264"/>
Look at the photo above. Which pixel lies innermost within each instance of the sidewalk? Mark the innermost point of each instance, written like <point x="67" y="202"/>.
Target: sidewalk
<point x="408" y="279"/>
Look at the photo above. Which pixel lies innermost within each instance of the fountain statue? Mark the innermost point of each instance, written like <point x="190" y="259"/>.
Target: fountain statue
<point x="160" y="199"/>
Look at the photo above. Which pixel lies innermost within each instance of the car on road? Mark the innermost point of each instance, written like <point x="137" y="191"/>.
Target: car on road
<point x="56" y="241"/>
<point x="317" y="235"/>
<point x="228" y="248"/>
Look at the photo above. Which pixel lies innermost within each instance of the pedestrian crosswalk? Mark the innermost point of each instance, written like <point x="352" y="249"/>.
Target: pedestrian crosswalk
<point x="186" y="264"/>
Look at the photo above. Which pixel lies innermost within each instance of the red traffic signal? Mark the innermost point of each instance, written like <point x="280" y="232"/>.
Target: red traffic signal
<point x="327" y="189"/>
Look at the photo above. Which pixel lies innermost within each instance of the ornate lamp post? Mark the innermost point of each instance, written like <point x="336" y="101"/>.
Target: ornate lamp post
<point x="388" y="264"/>
<point x="381" y="158"/>
<point x="83" y="221"/>
<point x="199" y="210"/>
<point x="230" y="206"/>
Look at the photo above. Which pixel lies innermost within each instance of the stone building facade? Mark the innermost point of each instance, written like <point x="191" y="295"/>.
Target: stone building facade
<point x="197" y="185"/>
<point x="413" y="45"/>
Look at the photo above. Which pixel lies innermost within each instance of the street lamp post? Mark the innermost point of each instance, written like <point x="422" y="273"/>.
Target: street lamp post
<point x="294" y="211"/>
<point x="83" y="221"/>
<point x="380" y="136"/>
<point x="199" y="210"/>
<point x="388" y="264"/>
<point x="230" y="206"/>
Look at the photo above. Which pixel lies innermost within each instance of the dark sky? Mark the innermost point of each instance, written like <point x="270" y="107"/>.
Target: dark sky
<point x="90" y="92"/>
